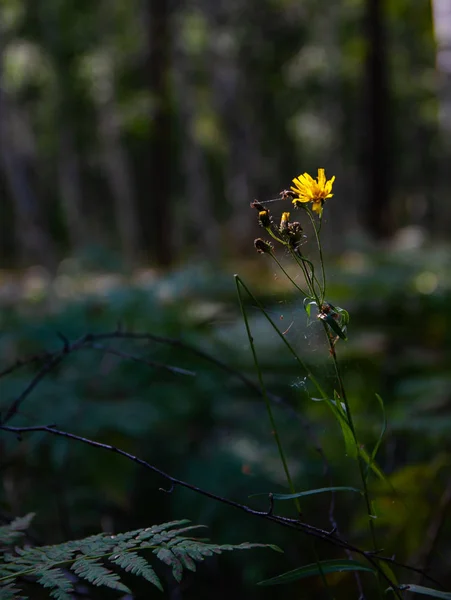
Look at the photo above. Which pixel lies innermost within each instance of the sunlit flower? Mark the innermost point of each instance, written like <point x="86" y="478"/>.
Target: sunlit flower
<point x="307" y="189"/>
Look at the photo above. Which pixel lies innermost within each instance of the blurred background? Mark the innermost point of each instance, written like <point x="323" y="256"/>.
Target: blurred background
<point x="133" y="136"/>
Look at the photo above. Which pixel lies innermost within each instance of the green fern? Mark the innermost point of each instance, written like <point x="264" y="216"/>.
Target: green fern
<point x="10" y="534"/>
<point x="49" y="565"/>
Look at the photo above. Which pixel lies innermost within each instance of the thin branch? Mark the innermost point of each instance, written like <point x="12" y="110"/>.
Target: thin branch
<point x="294" y="524"/>
<point x="52" y="359"/>
<point x="48" y="366"/>
<point x="144" y="361"/>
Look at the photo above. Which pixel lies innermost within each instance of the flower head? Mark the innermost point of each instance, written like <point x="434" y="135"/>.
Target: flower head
<point x="307" y="189"/>
<point x="263" y="247"/>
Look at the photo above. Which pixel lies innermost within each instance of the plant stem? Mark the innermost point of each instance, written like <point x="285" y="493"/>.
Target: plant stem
<point x="320" y="250"/>
<point x="266" y="398"/>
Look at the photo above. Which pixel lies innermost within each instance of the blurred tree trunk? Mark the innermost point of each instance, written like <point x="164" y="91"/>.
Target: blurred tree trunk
<point x="159" y="223"/>
<point x="50" y="19"/>
<point x="441" y="11"/>
<point x="441" y="15"/>
<point x="201" y="223"/>
<point x="377" y="151"/>
<point x="116" y="165"/>
<point x="70" y="186"/>
<point x="35" y="245"/>
<point x="229" y="98"/>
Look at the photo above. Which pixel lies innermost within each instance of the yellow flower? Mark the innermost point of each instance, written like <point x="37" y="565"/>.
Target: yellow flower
<point x="308" y="189"/>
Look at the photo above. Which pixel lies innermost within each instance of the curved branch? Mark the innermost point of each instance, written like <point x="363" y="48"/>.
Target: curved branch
<point x="330" y="537"/>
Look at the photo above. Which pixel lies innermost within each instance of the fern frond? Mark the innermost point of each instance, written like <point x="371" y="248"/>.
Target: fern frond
<point x="92" y="571"/>
<point x="170" y="559"/>
<point x="11" y="533"/>
<point x="57" y="580"/>
<point x="10" y="592"/>
<point x="133" y="563"/>
<point x="167" y="542"/>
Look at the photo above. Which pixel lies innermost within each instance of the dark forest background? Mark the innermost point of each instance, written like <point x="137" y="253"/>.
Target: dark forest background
<point x="133" y="136"/>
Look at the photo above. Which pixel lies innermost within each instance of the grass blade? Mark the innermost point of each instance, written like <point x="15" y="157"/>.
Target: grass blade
<point x="324" y="566"/>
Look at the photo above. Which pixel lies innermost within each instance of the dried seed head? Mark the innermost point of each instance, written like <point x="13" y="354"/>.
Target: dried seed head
<point x="262" y="246"/>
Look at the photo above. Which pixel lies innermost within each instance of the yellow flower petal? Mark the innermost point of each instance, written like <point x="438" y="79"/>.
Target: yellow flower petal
<point x="312" y="190"/>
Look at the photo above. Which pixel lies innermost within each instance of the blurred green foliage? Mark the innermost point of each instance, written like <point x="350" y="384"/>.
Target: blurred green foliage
<point x="211" y="430"/>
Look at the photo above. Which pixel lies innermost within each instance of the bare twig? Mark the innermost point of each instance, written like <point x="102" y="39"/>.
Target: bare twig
<point x="294" y="524"/>
<point x="91" y="341"/>
<point x="144" y="361"/>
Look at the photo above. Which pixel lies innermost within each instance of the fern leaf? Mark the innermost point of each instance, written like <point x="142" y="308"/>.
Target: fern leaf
<point x="156" y="529"/>
<point x="11" y="533"/>
<point x="243" y="546"/>
<point x="184" y="557"/>
<point x="97" y="575"/>
<point x="169" y="558"/>
<point x="9" y="592"/>
<point x="84" y="557"/>
<point x="163" y="536"/>
<point x="56" y="579"/>
<point x="133" y="563"/>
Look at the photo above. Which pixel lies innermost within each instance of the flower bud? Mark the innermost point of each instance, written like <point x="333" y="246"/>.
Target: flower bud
<point x="264" y="218"/>
<point x="284" y="222"/>
<point x="262" y="246"/>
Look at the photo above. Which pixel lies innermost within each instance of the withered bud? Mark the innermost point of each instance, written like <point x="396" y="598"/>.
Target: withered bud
<point x="295" y="233"/>
<point x="264" y="218"/>
<point x="295" y="227"/>
<point x="287" y="195"/>
<point x="284" y="221"/>
<point x="262" y="246"/>
<point x="256" y="204"/>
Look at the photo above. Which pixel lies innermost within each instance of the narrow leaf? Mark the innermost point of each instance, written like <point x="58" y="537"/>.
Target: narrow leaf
<point x="339" y="412"/>
<point x="309" y="492"/>
<point x="385" y="567"/>
<point x="323" y="567"/>
<point x="329" y="319"/>
<point x="419" y="589"/>
<point x="374" y="466"/>
<point x="381" y="435"/>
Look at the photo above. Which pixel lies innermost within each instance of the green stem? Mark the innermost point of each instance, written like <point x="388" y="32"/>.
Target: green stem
<point x="274" y="257"/>
<point x="239" y="283"/>
<point x="308" y="372"/>
<point x="320" y="249"/>
<point x="266" y="398"/>
<point x="354" y="434"/>
<point x="309" y="277"/>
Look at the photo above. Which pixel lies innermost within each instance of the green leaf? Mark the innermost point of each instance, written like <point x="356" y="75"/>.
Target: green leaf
<point x="308" y="306"/>
<point x="57" y="580"/>
<point x="322" y="567"/>
<point x="177" y="551"/>
<point x="309" y="492"/>
<point x="374" y="467"/>
<point x="133" y="563"/>
<point x="381" y="435"/>
<point x="329" y="319"/>
<point x="98" y="575"/>
<point x="419" y="589"/>
<point x="169" y="558"/>
<point x="9" y="592"/>
<point x="340" y="414"/>
<point x="385" y="567"/>
<point x="9" y="534"/>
